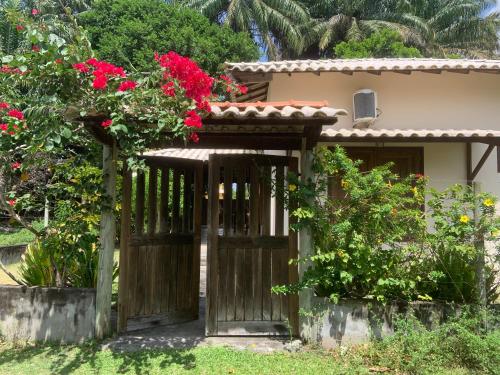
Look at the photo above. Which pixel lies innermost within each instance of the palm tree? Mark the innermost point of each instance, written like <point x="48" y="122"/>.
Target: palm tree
<point x="437" y="27"/>
<point x="454" y="26"/>
<point x="274" y="24"/>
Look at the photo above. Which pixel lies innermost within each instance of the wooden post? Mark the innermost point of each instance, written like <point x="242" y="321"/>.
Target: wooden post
<point x="305" y="250"/>
<point x="480" y="261"/>
<point x="108" y="233"/>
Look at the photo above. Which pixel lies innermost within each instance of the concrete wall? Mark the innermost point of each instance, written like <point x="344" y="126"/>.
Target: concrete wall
<point x="11" y="254"/>
<point x="47" y="314"/>
<point x="357" y="321"/>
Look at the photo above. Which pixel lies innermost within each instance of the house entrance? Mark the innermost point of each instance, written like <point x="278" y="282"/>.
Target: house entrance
<point x="249" y="245"/>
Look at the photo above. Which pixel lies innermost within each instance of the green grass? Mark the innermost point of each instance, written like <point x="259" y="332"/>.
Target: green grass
<point x="209" y="360"/>
<point x="19" y="237"/>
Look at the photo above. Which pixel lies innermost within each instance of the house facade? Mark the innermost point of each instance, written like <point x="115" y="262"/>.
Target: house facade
<point x="428" y="110"/>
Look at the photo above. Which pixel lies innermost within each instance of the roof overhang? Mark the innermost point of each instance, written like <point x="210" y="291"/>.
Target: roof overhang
<point x="411" y="135"/>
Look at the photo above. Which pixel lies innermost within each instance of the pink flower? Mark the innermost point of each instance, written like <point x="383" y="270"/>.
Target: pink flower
<point x="4" y="127"/>
<point x="106" y="123"/>
<point x="15" y="165"/>
<point x="35" y="49"/>
<point x="34" y="12"/>
<point x="92" y="62"/>
<point x="193" y="120"/>
<point x="194" y="137"/>
<point x="16" y="114"/>
<point x="11" y="202"/>
<point x="81" y="67"/>
<point x="127" y="85"/>
<point x="4" y="105"/>
<point x="19" y="27"/>
<point x="100" y="82"/>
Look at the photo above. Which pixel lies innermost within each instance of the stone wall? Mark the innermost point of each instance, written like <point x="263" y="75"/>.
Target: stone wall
<point x="358" y="321"/>
<point x="47" y="314"/>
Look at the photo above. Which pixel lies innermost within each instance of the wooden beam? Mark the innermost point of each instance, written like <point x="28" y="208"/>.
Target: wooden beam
<point x="498" y="159"/>
<point x="108" y="232"/>
<point x="459" y="71"/>
<point x="374" y="72"/>
<point x="250" y="77"/>
<point x="468" y="163"/>
<point x="407" y="72"/>
<point x="481" y="162"/>
<point x="431" y="71"/>
<point x="348" y="72"/>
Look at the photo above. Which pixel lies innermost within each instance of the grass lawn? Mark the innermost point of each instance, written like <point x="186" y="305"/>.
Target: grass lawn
<point x="209" y="360"/>
<point x="19" y="237"/>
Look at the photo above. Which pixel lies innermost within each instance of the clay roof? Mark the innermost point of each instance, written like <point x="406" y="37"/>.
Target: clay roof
<point x="291" y="109"/>
<point x="413" y="134"/>
<point x="354" y="65"/>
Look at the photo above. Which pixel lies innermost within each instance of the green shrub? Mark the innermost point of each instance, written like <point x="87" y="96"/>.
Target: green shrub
<point x="460" y="343"/>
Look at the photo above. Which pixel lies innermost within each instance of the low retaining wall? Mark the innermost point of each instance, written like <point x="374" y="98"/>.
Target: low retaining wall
<point x="359" y="321"/>
<point x="11" y="254"/>
<point x="47" y="314"/>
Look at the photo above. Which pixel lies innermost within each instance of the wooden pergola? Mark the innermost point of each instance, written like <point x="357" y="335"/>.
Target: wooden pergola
<point x="287" y="126"/>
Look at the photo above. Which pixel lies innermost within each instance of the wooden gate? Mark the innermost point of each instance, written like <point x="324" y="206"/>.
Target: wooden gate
<point x="160" y="244"/>
<point x="249" y="246"/>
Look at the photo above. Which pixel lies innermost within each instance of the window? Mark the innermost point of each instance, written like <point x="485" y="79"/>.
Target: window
<point x="406" y="161"/>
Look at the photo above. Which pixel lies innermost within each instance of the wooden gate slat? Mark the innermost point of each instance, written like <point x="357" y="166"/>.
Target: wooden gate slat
<point x="249" y="300"/>
<point x="257" y="283"/>
<point x="275" y="277"/>
<point x="165" y="172"/>
<point x="266" y="284"/>
<point x="152" y="200"/>
<point x="223" y="282"/>
<point x="172" y="290"/>
<point x="284" y="280"/>
<point x="240" y="284"/>
<point x="176" y="196"/>
<point x="139" y="203"/>
<point x="240" y="200"/>
<point x="231" y="286"/>
<point x="186" y="212"/>
<point x="228" y="200"/>
<point x="266" y="200"/>
<point x="254" y="202"/>
<point x="293" y="273"/>
<point x="197" y="220"/>
<point x="280" y="199"/>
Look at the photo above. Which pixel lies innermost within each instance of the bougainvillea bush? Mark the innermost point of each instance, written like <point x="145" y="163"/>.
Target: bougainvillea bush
<point x="55" y="95"/>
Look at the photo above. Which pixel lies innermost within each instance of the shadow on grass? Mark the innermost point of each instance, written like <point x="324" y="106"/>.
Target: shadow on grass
<point x="68" y="359"/>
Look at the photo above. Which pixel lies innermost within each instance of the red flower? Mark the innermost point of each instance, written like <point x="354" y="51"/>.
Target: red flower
<point x="106" y="123"/>
<point x="193" y="120"/>
<point x="100" y="82"/>
<point x="168" y="89"/>
<point x="4" y="105"/>
<point x="204" y="106"/>
<point x="225" y="79"/>
<point x="243" y="89"/>
<point x="194" y="137"/>
<point x="11" y="202"/>
<point x="58" y="61"/>
<point x="34" y="12"/>
<point x="196" y="83"/>
<point x="19" y="27"/>
<point x="35" y="49"/>
<point x="16" y="114"/>
<point x="15" y="165"/>
<point x="127" y="85"/>
<point x="81" y="67"/>
<point x="4" y="127"/>
<point x="92" y="62"/>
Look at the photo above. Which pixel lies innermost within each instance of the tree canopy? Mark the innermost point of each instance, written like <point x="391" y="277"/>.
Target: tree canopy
<point x="384" y="43"/>
<point x="129" y="32"/>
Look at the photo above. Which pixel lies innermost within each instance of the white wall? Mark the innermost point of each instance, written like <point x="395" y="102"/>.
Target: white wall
<point x="419" y="100"/>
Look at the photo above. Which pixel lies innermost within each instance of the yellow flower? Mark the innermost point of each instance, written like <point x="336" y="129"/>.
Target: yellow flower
<point x="344" y="184"/>
<point x="496" y="233"/>
<point x="292" y="187"/>
<point x="489" y="202"/>
<point x="464" y="219"/>
<point x="415" y="191"/>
